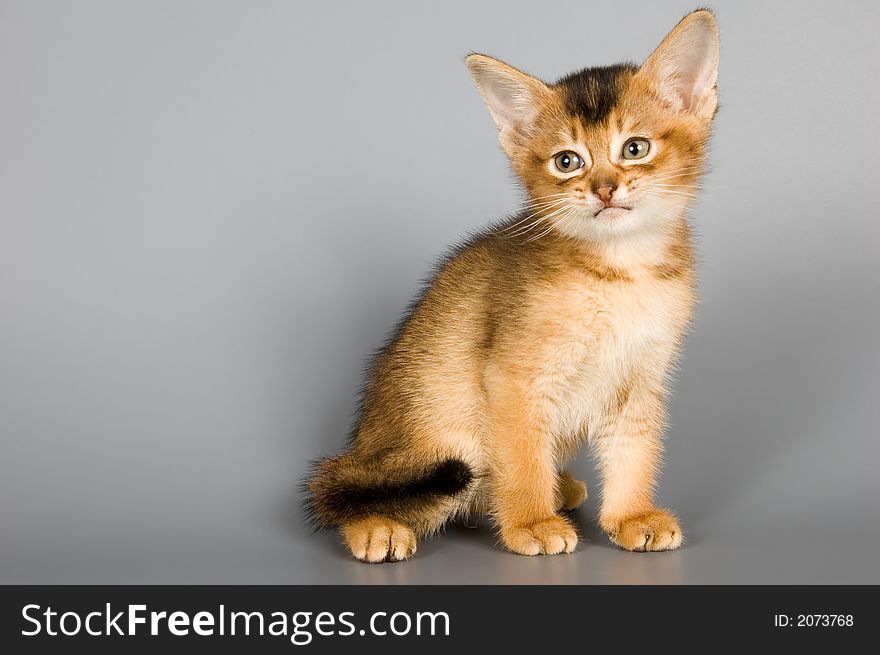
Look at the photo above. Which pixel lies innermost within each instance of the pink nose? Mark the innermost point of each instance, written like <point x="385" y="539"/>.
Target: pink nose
<point x="604" y="192"/>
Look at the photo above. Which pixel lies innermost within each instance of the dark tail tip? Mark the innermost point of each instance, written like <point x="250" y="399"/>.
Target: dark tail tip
<point x="342" y="490"/>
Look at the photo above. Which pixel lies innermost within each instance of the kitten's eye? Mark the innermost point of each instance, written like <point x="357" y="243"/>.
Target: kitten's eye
<point x="636" y="148"/>
<point x="568" y="161"/>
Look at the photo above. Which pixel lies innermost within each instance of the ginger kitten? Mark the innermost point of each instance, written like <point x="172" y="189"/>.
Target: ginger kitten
<point x="554" y="329"/>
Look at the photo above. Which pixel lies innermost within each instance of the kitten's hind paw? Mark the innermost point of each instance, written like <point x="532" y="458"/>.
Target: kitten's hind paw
<point x="654" y="530"/>
<point x="379" y="539"/>
<point x="548" y="537"/>
<point x="571" y="493"/>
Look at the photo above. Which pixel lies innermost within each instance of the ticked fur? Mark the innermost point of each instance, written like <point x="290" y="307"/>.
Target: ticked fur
<point x="555" y="329"/>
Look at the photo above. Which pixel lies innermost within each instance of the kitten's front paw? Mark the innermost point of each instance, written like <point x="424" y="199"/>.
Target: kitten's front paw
<point x="379" y="539"/>
<point x="548" y="537"/>
<point x="654" y="530"/>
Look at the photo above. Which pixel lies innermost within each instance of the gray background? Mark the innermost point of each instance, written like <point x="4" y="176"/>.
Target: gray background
<point x="213" y="211"/>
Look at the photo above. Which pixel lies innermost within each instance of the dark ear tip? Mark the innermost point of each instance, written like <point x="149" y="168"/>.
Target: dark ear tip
<point x="704" y="15"/>
<point x="706" y="12"/>
<point x="476" y="60"/>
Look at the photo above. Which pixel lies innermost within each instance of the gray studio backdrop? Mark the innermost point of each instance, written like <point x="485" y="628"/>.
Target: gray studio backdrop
<point x="211" y="212"/>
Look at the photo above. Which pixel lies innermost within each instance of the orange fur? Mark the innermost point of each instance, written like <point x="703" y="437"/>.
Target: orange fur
<point x="555" y="329"/>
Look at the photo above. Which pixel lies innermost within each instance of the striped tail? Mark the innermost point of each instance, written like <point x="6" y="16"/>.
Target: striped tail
<point x="342" y="490"/>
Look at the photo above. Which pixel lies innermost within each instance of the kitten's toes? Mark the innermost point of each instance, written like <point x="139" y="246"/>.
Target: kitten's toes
<point x="654" y="530"/>
<point x="572" y="492"/>
<point x="547" y="537"/>
<point x="379" y="539"/>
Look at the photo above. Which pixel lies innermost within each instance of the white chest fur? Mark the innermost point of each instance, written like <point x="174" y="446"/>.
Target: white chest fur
<point x="605" y="335"/>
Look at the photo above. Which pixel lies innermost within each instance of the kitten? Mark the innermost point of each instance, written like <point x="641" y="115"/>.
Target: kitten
<point x="555" y="329"/>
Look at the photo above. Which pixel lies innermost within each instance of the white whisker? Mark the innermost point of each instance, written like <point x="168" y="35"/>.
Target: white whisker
<point x="553" y="225"/>
<point x="546" y="203"/>
<point x="692" y="196"/>
<point x="572" y="217"/>
<point x="671" y="177"/>
<point x="541" y="219"/>
<point x="520" y="221"/>
<point x="539" y="199"/>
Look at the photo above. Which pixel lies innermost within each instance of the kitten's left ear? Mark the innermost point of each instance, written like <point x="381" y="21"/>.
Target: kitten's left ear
<point x="684" y="68"/>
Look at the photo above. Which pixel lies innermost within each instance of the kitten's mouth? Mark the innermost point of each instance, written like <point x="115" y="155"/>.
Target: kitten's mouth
<point x="612" y="212"/>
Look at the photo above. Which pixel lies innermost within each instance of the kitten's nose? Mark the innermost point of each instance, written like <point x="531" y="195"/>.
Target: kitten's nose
<point x="605" y="191"/>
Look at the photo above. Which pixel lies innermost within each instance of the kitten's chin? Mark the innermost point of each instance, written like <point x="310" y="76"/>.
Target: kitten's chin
<point x="606" y="224"/>
<point x="612" y="213"/>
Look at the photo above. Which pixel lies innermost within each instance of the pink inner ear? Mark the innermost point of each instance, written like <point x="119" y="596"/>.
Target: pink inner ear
<point x="688" y="79"/>
<point x="691" y="88"/>
<point x="684" y="66"/>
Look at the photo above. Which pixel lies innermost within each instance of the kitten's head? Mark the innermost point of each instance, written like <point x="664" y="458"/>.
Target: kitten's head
<point x="615" y="150"/>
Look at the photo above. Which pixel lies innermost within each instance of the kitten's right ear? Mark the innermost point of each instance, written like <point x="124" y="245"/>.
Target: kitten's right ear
<point x="514" y="99"/>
